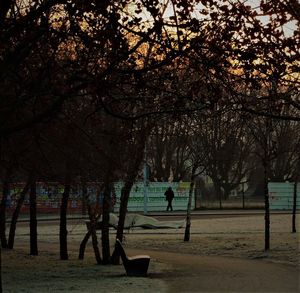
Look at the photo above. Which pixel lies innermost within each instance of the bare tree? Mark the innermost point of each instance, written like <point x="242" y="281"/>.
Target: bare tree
<point x="294" y="207"/>
<point x="261" y="130"/>
<point x="168" y="150"/>
<point x="3" y="204"/>
<point x="284" y="165"/>
<point x="296" y="188"/>
<point x="94" y="215"/>
<point x="16" y="213"/>
<point x="33" y="217"/>
<point x="63" y="232"/>
<point x="226" y="146"/>
<point x="134" y="149"/>
<point x="195" y="154"/>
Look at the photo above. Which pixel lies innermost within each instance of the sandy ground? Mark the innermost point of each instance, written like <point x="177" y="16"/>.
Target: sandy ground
<point x="223" y="255"/>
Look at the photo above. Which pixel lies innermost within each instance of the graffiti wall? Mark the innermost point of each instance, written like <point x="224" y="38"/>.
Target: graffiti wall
<point x="151" y="197"/>
<point x="281" y="195"/>
<point x="154" y="197"/>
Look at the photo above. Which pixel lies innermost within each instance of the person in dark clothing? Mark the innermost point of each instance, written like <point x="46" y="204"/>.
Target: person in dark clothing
<point x="169" y="197"/>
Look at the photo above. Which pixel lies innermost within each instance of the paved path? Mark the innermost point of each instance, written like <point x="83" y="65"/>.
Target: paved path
<point x="194" y="273"/>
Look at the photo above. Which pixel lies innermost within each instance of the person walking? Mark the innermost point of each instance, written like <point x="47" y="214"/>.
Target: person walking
<point x="169" y="197"/>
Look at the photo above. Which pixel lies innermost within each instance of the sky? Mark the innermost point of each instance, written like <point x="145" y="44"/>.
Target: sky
<point x="288" y="28"/>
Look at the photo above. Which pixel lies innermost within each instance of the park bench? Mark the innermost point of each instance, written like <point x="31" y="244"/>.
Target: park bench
<point x="136" y="265"/>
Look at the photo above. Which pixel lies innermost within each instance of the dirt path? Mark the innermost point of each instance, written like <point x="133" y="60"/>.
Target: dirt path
<point x="193" y="273"/>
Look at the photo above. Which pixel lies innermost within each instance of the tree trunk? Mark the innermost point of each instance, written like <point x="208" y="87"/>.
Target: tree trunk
<point x="218" y="193"/>
<point x="91" y="229"/>
<point x="0" y="270"/>
<point x="63" y="232"/>
<point x="83" y="244"/>
<point x="188" y="213"/>
<point x="95" y="242"/>
<point x="5" y="192"/>
<point x="226" y="192"/>
<point x="243" y="195"/>
<point x="33" y="220"/>
<point x="83" y="207"/>
<point x="84" y="198"/>
<point x="267" y="209"/>
<point x="294" y="207"/>
<point x="125" y="193"/>
<point x="220" y="198"/>
<point x="88" y="234"/>
<point x="91" y="232"/>
<point x="15" y="215"/>
<point x="105" y="222"/>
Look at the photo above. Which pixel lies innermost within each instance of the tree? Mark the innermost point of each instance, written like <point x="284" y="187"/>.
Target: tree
<point x="296" y="187"/>
<point x="294" y="207"/>
<point x="16" y="213"/>
<point x="226" y="146"/>
<point x="0" y="271"/>
<point x="5" y="193"/>
<point x="134" y="147"/>
<point x="33" y="220"/>
<point x="284" y="165"/>
<point x="196" y="157"/>
<point x="167" y="150"/>
<point x="191" y="193"/>
<point x="94" y="215"/>
<point x="63" y="232"/>
<point x="262" y="133"/>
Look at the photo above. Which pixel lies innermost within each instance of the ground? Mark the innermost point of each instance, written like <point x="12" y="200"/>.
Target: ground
<point x="223" y="255"/>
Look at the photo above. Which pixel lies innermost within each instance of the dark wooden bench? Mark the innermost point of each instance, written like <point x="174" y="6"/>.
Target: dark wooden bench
<point x="136" y="265"/>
